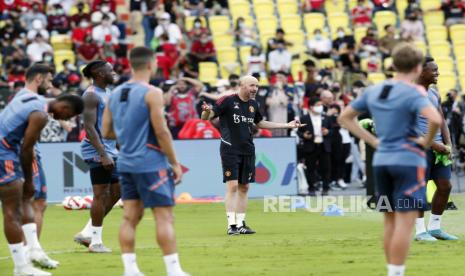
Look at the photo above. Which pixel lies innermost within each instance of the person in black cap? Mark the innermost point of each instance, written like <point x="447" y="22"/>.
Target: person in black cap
<point x="275" y="41"/>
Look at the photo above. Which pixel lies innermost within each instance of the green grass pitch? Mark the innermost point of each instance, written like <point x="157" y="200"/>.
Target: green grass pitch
<point x="299" y="243"/>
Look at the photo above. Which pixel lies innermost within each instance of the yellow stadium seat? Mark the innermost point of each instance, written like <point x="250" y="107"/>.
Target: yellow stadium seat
<point x="219" y="24"/>
<point x="387" y="63"/>
<point x="208" y="72"/>
<point x="459" y="49"/>
<point x="421" y="46"/>
<point x="60" y="56"/>
<point x="263" y="9"/>
<point x="436" y="33"/>
<point x="295" y="37"/>
<point x="457" y="33"/>
<point x="445" y="64"/>
<point x="264" y="37"/>
<point x="290" y="23"/>
<point x="190" y="22"/>
<point x="223" y="40"/>
<point x="287" y="8"/>
<point x="336" y="20"/>
<point x="376" y="77"/>
<point x="430" y="4"/>
<point x="383" y="18"/>
<point x="401" y="5"/>
<point x="228" y="68"/>
<point x="434" y="18"/>
<point x="446" y="82"/>
<point x="327" y="63"/>
<point x="461" y="67"/>
<point x="314" y="21"/>
<point x="61" y="42"/>
<point x="297" y="70"/>
<point x="439" y="49"/>
<point x="226" y="55"/>
<point x="462" y="81"/>
<point x="335" y="6"/>
<point x="244" y="53"/>
<point x="352" y="4"/>
<point x="267" y="23"/>
<point x="359" y="33"/>
<point x="240" y="9"/>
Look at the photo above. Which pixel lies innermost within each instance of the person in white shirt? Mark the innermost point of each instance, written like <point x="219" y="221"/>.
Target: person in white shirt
<point x="36" y="49"/>
<point x="277" y="103"/>
<point x="106" y="32"/>
<point x="256" y="62"/>
<point x="166" y="26"/>
<point x="279" y="59"/>
<point x="319" y="46"/>
<point x="412" y="28"/>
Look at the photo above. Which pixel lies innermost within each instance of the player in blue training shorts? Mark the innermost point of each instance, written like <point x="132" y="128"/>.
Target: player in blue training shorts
<point x="99" y="153"/>
<point x="147" y="162"/>
<point x="399" y="161"/>
<point x="21" y="123"/>
<point x="436" y="169"/>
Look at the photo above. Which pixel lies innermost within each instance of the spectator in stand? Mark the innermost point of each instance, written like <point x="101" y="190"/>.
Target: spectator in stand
<point x="165" y="26"/>
<point x="80" y="15"/>
<point x="58" y="21"/>
<point x="277" y="103"/>
<point x="327" y="99"/>
<point x="188" y="67"/>
<point x="87" y="52"/>
<point x="33" y="14"/>
<point x="106" y="32"/>
<point x="279" y="59"/>
<point x="349" y="60"/>
<point x="261" y="96"/>
<point x="245" y="36"/>
<point x="168" y="57"/>
<point x="342" y="41"/>
<point x="203" y="50"/>
<point x="454" y="12"/>
<point x="81" y="32"/>
<point x="313" y="6"/>
<point x="217" y="7"/>
<point x="412" y="28"/>
<point x="256" y="62"/>
<point x="337" y="153"/>
<point x="69" y="77"/>
<point x="369" y="43"/>
<point x="38" y="48"/>
<point x="38" y="28"/>
<point x="412" y="6"/>
<point x="182" y="100"/>
<point x="149" y="21"/>
<point x="373" y="62"/>
<point x="197" y="30"/>
<point x="279" y="38"/>
<point x="194" y="7"/>
<point x="311" y="83"/>
<point x="315" y="141"/>
<point x="319" y="46"/>
<point x="10" y="30"/>
<point x="102" y="5"/>
<point x="361" y="15"/>
<point x="388" y="41"/>
<point x="384" y="5"/>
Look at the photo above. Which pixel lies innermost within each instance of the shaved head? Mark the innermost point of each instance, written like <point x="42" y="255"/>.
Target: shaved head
<point x="327" y="97"/>
<point x="249" y="87"/>
<point x="248" y="79"/>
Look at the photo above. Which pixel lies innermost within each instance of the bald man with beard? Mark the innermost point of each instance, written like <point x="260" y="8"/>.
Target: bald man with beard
<point x="238" y="113"/>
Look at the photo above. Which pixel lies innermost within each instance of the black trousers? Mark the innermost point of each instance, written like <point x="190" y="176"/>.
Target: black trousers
<point x="318" y="163"/>
<point x="338" y="161"/>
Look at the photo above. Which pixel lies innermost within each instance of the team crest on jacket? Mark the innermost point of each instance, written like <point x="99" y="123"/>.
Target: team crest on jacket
<point x="236" y="105"/>
<point x="251" y="109"/>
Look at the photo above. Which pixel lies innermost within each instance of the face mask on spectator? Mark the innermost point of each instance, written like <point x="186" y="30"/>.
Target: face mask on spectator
<point x="204" y="40"/>
<point x="197" y="25"/>
<point x="318" y="36"/>
<point x="340" y="34"/>
<point x="318" y="109"/>
<point x="48" y="58"/>
<point x="84" y="24"/>
<point x="19" y="41"/>
<point x="105" y="9"/>
<point x="241" y="24"/>
<point x="60" y="12"/>
<point x="233" y="84"/>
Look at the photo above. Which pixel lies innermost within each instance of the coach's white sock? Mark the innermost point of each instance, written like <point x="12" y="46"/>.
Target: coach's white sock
<point x="396" y="270"/>
<point x="87" y="231"/>
<point x="173" y="267"/>
<point x="30" y="233"/>
<point x="97" y="235"/>
<point x="18" y="254"/>
<point x="130" y="264"/>
<point x="240" y="217"/>
<point x="420" y="225"/>
<point x="434" y="222"/>
<point x="231" y="218"/>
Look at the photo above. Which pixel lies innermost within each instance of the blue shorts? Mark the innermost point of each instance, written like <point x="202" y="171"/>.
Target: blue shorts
<point x="436" y="171"/>
<point x="9" y="171"/>
<point x="400" y="188"/>
<point x="155" y="189"/>
<point x="99" y="175"/>
<point x="38" y="177"/>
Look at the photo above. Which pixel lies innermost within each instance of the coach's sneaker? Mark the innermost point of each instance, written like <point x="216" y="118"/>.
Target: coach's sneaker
<point x="244" y="229"/>
<point x="29" y="270"/>
<point x="99" y="248"/>
<point x="82" y="240"/>
<point x="39" y="258"/>
<point x="232" y="231"/>
<point x="441" y="235"/>
<point x="425" y="236"/>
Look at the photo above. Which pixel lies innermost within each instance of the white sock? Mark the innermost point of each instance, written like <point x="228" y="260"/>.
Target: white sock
<point x="172" y="264"/>
<point x="231" y="218"/>
<point x="420" y="225"/>
<point x="30" y="233"/>
<point x="87" y="231"/>
<point x="396" y="270"/>
<point x="18" y="254"/>
<point x="434" y="222"/>
<point x="96" y="234"/>
<point x="130" y="264"/>
<point x="240" y="217"/>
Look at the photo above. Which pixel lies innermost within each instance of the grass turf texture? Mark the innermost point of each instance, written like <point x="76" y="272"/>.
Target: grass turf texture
<point x="298" y="243"/>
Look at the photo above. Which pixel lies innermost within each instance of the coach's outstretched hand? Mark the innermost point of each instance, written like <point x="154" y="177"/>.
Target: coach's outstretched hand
<point x="177" y="170"/>
<point x="295" y="124"/>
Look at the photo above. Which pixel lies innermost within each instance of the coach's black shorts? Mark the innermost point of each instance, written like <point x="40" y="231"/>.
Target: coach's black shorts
<point x="238" y="167"/>
<point x="99" y="175"/>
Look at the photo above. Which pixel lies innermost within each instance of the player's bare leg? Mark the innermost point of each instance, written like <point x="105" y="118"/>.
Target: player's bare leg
<point x="132" y="214"/>
<point x="230" y="203"/>
<point x="39" y="206"/>
<point x="389" y="225"/>
<point x="241" y="208"/>
<point x="34" y="249"/>
<point x="438" y="205"/>
<point x="166" y="239"/>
